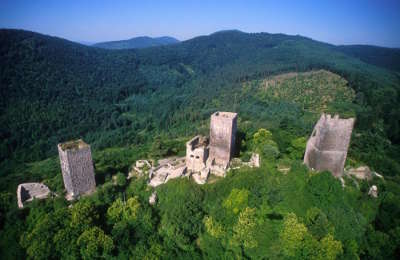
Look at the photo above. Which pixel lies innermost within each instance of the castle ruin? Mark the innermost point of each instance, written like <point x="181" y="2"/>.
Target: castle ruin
<point x="197" y="153"/>
<point x="77" y="168"/>
<point x="27" y="192"/>
<point x="222" y="139"/>
<point x="327" y="147"/>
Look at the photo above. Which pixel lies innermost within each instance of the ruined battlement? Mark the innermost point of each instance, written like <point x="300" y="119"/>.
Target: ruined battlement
<point x="77" y="168"/>
<point x="222" y="137"/>
<point x="197" y="153"/>
<point x="73" y="145"/>
<point x="327" y="147"/>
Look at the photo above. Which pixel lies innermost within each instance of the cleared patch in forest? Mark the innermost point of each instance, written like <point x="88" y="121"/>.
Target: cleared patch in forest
<point x="316" y="91"/>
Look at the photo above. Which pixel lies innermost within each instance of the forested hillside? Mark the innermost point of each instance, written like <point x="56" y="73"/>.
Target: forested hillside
<point x="145" y="103"/>
<point x="137" y="43"/>
<point x="380" y="56"/>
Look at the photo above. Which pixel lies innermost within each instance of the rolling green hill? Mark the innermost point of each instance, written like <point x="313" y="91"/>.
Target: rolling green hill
<point x="137" y="43"/>
<point x="145" y="103"/>
<point x="53" y="90"/>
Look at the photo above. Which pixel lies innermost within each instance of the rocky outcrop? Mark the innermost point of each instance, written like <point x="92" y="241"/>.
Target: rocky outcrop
<point x="362" y="173"/>
<point x="140" y="168"/>
<point x="373" y="191"/>
<point x="153" y="198"/>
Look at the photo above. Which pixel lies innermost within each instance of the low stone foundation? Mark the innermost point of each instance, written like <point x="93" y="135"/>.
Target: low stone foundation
<point x="27" y="192"/>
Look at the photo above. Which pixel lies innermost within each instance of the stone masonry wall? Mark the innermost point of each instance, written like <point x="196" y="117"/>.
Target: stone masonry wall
<point x="77" y="170"/>
<point x="29" y="191"/>
<point x="327" y="147"/>
<point x="222" y="137"/>
<point x="196" y="153"/>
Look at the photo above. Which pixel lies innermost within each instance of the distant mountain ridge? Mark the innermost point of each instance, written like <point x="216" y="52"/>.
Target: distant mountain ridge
<point x="137" y="43"/>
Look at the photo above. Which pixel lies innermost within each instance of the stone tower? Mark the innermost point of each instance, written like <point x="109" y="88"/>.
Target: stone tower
<point x="196" y="153"/>
<point x="327" y="147"/>
<point x="222" y="137"/>
<point x="77" y="168"/>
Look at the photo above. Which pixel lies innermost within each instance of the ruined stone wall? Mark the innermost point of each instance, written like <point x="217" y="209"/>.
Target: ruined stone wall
<point x="222" y="137"/>
<point x="196" y="153"/>
<point x="77" y="170"/>
<point x="327" y="147"/>
<point x="29" y="191"/>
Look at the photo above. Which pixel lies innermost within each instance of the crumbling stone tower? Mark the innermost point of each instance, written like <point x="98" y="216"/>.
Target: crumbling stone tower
<point x="196" y="153"/>
<point x="77" y="168"/>
<point x="222" y="137"/>
<point x="327" y="147"/>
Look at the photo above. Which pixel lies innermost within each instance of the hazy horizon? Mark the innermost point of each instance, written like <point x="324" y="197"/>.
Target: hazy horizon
<point x="335" y="22"/>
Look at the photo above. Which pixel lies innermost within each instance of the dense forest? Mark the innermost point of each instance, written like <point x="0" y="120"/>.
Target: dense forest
<point x="146" y="103"/>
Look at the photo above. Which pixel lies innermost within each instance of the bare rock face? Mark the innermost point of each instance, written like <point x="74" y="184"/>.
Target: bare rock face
<point x="373" y="191"/>
<point x="255" y="160"/>
<point x="77" y="168"/>
<point x="327" y="147"/>
<point x="140" y="168"/>
<point x="202" y="176"/>
<point x="29" y="191"/>
<point x="222" y="139"/>
<point x="153" y="198"/>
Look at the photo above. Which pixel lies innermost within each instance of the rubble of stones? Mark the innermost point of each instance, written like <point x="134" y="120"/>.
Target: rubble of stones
<point x="204" y="156"/>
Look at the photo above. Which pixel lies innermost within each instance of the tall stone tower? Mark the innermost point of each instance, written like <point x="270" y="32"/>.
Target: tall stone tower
<point x="222" y="137"/>
<point x="327" y="147"/>
<point x="77" y="168"/>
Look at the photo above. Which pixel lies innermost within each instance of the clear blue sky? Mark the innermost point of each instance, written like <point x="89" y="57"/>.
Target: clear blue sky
<point x="374" y="22"/>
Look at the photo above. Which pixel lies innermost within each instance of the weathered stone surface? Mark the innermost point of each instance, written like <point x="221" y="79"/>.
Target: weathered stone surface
<point x="77" y="168"/>
<point x="327" y="147"/>
<point x="237" y="163"/>
<point x="222" y="138"/>
<point x="140" y="168"/>
<point x="168" y="169"/>
<point x="373" y="191"/>
<point x="362" y="172"/>
<point x="202" y="176"/>
<point x="142" y="163"/>
<point x="202" y="156"/>
<point x="196" y="153"/>
<point x="28" y="191"/>
<point x="153" y="198"/>
<point x="254" y="160"/>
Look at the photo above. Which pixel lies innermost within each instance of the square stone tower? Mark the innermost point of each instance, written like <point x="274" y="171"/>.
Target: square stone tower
<point x="327" y="147"/>
<point x="222" y="137"/>
<point x="77" y="168"/>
